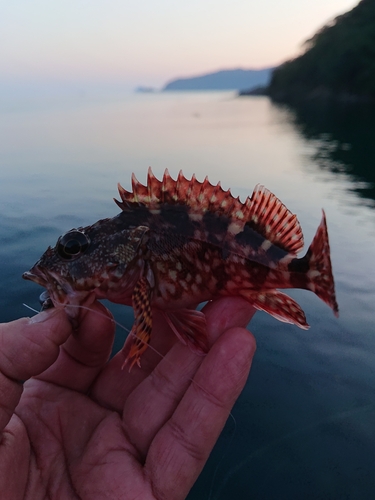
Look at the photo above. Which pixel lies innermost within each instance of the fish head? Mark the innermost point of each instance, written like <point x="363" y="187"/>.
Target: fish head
<point x="99" y="261"/>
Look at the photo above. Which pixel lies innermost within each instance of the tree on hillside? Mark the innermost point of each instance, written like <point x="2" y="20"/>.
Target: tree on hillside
<point x="338" y="60"/>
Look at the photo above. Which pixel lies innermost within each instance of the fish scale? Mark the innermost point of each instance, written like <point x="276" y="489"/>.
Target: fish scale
<point x="177" y="243"/>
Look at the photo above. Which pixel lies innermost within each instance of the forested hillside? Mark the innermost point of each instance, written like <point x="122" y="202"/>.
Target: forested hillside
<point x="339" y="61"/>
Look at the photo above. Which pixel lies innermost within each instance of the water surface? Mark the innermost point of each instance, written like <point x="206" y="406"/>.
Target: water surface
<point x="305" y="423"/>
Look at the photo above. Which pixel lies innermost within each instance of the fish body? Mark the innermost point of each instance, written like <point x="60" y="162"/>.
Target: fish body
<point x="180" y="242"/>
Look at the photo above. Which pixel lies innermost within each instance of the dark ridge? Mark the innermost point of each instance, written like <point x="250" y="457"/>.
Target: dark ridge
<point x="338" y="62"/>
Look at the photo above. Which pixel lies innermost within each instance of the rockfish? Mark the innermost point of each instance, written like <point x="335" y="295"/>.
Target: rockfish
<point x="177" y="243"/>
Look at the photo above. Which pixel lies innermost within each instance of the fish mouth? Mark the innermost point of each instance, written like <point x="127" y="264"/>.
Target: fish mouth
<point x="37" y="276"/>
<point x="59" y="292"/>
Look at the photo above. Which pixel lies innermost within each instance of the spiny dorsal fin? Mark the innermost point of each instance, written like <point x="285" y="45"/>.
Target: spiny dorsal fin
<point x="199" y="196"/>
<point x="263" y="212"/>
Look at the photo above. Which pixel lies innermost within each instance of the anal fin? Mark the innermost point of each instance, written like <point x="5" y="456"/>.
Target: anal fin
<point x="280" y="306"/>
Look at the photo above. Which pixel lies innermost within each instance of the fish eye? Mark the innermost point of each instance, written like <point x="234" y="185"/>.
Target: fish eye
<point x="72" y="244"/>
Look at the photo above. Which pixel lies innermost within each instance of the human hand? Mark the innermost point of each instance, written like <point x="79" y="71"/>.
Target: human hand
<point x="80" y="427"/>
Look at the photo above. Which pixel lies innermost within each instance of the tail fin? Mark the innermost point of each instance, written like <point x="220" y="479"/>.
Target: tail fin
<point x="320" y="277"/>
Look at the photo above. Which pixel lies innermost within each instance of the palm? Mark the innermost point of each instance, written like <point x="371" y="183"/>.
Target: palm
<point x="84" y="428"/>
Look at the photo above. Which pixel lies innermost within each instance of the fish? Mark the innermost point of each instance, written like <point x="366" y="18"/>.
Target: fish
<point x="177" y="243"/>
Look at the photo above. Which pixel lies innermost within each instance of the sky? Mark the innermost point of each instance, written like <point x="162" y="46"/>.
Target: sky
<point x="149" y="42"/>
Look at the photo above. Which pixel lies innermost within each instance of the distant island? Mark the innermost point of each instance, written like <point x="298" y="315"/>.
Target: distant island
<point x="145" y="90"/>
<point x="338" y="63"/>
<point x="230" y="79"/>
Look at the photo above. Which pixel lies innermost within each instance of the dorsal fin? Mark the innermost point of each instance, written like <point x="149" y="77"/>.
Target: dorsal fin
<point x="199" y="196"/>
<point x="270" y="217"/>
<point x="263" y="212"/>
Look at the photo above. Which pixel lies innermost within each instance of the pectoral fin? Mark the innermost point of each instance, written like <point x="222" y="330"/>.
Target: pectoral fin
<point x="141" y="332"/>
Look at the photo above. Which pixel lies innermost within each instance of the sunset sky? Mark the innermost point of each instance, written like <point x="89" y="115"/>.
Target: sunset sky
<point x="145" y="42"/>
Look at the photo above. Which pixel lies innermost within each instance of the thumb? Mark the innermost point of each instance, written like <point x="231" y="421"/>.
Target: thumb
<point x="28" y="347"/>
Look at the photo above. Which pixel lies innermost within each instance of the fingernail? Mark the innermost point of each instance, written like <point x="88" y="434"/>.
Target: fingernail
<point x="43" y="316"/>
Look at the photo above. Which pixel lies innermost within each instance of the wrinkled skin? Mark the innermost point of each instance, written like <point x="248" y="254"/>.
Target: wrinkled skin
<point x="82" y="428"/>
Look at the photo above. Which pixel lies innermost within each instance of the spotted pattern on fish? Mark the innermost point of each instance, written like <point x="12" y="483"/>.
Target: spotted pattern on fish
<point x="178" y="242"/>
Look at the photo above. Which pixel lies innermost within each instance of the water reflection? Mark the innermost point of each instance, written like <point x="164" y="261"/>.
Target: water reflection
<point x="343" y="141"/>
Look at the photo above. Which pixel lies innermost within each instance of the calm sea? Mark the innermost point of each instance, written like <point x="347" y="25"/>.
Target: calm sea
<point x="304" y="427"/>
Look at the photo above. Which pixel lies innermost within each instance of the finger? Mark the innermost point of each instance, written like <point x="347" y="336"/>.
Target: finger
<point x="153" y="402"/>
<point x="114" y="384"/>
<point x="226" y="313"/>
<point x="181" y="448"/>
<point x="84" y="353"/>
<point x="159" y="394"/>
<point x="28" y="346"/>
